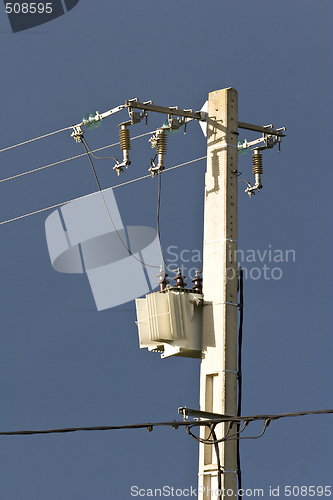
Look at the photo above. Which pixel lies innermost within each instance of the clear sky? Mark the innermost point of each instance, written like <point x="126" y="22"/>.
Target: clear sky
<point x="63" y="363"/>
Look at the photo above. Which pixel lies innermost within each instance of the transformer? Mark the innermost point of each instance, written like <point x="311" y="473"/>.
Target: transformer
<point x="170" y="322"/>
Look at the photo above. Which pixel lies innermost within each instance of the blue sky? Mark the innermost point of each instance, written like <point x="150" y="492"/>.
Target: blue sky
<point x="62" y="363"/>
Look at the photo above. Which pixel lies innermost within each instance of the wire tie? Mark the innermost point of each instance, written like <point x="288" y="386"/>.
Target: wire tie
<point x="228" y="303"/>
<point x="221" y="239"/>
<point x="216" y="471"/>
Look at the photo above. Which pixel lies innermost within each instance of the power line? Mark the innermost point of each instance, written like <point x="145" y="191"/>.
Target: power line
<point x="55" y="163"/>
<point x="175" y="424"/>
<point x="69" y="159"/>
<point x="91" y="194"/>
<point x="35" y="139"/>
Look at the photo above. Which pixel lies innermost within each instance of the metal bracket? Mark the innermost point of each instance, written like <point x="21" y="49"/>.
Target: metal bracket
<point x="77" y="133"/>
<point x="188" y="412"/>
<point x="265" y="130"/>
<point x="186" y="113"/>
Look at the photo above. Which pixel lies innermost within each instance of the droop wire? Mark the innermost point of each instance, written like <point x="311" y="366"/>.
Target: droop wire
<point x="86" y="147"/>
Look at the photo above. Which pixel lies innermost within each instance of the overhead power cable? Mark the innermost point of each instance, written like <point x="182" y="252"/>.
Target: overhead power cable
<point x="69" y="159"/>
<point x="84" y="122"/>
<point x="175" y="424"/>
<point x="91" y="194"/>
<point x="35" y="139"/>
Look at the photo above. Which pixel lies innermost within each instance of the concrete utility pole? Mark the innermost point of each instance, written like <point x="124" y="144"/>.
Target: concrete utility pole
<point x="218" y="378"/>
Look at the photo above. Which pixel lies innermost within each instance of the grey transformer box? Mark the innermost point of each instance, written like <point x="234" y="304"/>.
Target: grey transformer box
<point x="170" y="322"/>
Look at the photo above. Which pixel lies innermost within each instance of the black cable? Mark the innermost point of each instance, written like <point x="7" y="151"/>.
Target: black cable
<point x="239" y="374"/>
<point x="218" y="462"/>
<point x="266" y="424"/>
<point x="98" y="157"/>
<point x="158" y="222"/>
<point x="107" y="209"/>
<point x="208" y="440"/>
<point x="174" y="424"/>
<point x="226" y="437"/>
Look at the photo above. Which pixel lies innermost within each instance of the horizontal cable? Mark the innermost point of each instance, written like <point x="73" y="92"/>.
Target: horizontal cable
<point x="35" y="139"/>
<point x="68" y="159"/>
<point x="91" y="194"/>
<point x="149" y="426"/>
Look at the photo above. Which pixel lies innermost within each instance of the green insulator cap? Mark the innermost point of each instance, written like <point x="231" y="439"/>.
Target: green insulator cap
<point x="92" y="120"/>
<point x="169" y="130"/>
<point x="241" y="149"/>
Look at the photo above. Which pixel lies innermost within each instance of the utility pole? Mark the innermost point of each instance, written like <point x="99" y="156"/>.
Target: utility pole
<point x="169" y="321"/>
<point x="218" y="376"/>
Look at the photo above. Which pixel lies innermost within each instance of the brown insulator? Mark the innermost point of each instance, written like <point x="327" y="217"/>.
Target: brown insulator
<point x="124" y="135"/>
<point x="161" y="141"/>
<point x="179" y="278"/>
<point x="257" y="162"/>
<point x="197" y="287"/>
<point x="162" y="280"/>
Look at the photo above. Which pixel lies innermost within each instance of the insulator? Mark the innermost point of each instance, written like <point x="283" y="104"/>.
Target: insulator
<point x="257" y="162"/>
<point x="125" y="145"/>
<point x="92" y="120"/>
<point x="161" y="148"/>
<point x="161" y="142"/>
<point x="179" y="278"/>
<point x="158" y="141"/>
<point x="242" y="148"/>
<point x="197" y="282"/>
<point x="162" y="280"/>
<point x="124" y="135"/>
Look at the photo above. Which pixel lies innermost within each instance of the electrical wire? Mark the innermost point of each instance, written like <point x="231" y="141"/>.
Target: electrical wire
<point x="107" y="208"/>
<point x="174" y="424"/>
<point x="158" y="223"/>
<point x="208" y="440"/>
<point x="35" y="139"/>
<point x="266" y="424"/>
<point x="71" y="158"/>
<point x="226" y="437"/>
<point x="98" y="157"/>
<point x="91" y="194"/>
<point x="218" y="460"/>
<point x="239" y="374"/>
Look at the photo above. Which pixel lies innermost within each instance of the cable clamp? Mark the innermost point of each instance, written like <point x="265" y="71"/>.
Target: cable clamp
<point x="77" y="133"/>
